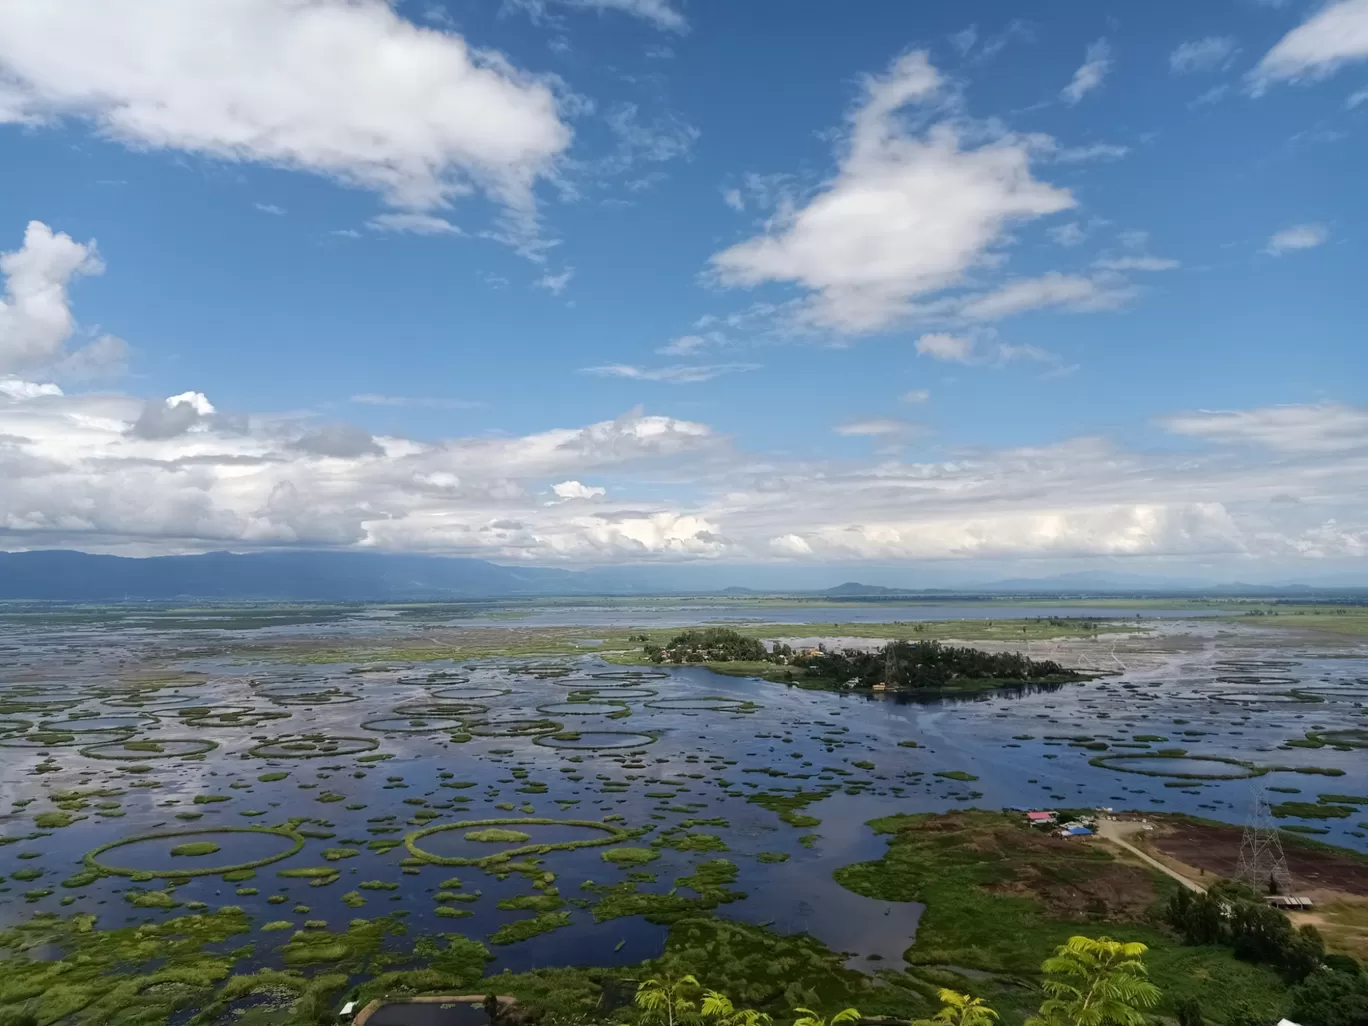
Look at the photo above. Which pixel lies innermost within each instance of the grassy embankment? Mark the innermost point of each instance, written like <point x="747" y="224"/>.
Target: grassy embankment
<point x="999" y="897"/>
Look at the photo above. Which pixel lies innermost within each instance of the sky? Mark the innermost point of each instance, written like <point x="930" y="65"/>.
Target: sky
<point x="927" y="292"/>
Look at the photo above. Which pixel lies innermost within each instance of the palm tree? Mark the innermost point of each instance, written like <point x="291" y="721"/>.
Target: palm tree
<point x="718" y="1007"/>
<point x="1098" y="982"/>
<point x="669" y="999"/>
<point x="811" y="1018"/>
<point x="962" y="1010"/>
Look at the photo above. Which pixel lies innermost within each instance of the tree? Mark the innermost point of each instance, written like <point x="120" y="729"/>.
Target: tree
<point x="1331" y="997"/>
<point x="719" y="1008"/>
<point x="808" y="1017"/>
<point x="962" y="1010"/>
<point x="668" y="999"/>
<point x="1244" y="1013"/>
<point x="1189" y="1012"/>
<point x="1098" y="982"/>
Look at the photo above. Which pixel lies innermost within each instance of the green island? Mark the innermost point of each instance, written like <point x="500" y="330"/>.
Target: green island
<point x="922" y="667"/>
<point x="1013" y="918"/>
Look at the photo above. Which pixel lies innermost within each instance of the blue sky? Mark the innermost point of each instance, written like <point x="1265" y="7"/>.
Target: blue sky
<point x="592" y="281"/>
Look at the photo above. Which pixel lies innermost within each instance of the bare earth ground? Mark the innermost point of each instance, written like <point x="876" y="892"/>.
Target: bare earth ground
<point x="1336" y="883"/>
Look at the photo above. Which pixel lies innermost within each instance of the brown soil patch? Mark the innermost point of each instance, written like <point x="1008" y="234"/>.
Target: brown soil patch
<point x="1217" y="850"/>
<point x="1071" y="879"/>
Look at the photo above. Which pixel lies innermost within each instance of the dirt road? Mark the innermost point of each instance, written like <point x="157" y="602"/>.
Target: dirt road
<point x="1119" y="831"/>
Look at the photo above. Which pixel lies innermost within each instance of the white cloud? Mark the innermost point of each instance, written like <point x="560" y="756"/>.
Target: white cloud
<point x="36" y="322"/>
<point x="1211" y="53"/>
<point x="1354" y="99"/>
<point x="876" y="428"/>
<point x="76" y="475"/>
<point x="906" y="215"/>
<point x="915" y="396"/>
<point x="341" y="88"/>
<point x="678" y="374"/>
<point x="270" y="208"/>
<point x="1297" y="237"/>
<point x="1069" y="291"/>
<point x="413" y="224"/>
<point x="556" y="283"/>
<point x="687" y="345"/>
<point x="16" y="388"/>
<point x="574" y="490"/>
<point x="1097" y="62"/>
<point x="1321" y="427"/>
<point x="1335" y="35"/>
<point x="943" y="346"/>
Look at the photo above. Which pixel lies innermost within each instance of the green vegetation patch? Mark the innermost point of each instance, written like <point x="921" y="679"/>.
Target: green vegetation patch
<point x="495" y="834"/>
<point x="195" y="848"/>
<point x="612" y="834"/>
<point x="627" y="857"/>
<point x="1000" y="897"/>
<point x="525" y="929"/>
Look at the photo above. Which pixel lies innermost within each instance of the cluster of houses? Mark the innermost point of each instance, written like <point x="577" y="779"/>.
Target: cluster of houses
<point x="1048" y="819"/>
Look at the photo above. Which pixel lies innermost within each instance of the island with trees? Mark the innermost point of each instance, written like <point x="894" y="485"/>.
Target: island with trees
<point x="907" y="667"/>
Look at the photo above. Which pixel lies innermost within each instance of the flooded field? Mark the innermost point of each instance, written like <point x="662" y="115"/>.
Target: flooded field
<point x="547" y="807"/>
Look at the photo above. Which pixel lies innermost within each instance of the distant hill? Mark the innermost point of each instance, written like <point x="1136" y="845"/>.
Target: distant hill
<point x="303" y="576"/>
<point x="854" y="588"/>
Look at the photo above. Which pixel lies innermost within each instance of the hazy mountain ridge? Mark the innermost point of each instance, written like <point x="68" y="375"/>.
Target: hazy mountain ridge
<point x="321" y="576"/>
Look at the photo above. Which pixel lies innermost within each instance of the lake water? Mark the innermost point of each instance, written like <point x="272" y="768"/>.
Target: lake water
<point x="679" y="756"/>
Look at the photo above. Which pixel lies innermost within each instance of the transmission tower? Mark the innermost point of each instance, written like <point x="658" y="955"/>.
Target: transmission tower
<point x="1263" y="865"/>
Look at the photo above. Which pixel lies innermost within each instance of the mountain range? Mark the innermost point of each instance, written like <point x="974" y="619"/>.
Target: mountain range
<point x="309" y="576"/>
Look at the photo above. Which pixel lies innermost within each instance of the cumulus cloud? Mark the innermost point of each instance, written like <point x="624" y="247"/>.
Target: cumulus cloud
<point x="1297" y="237"/>
<point x="1335" y="35"/>
<point x="77" y="475"/>
<point x="575" y="490"/>
<point x="677" y="374"/>
<point x="36" y="322"/>
<point x="1210" y="53"/>
<point x="1097" y="62"/>
<point x="172" y="416"/>
<point x="907" y="214"/>
<point x="346" y="89"/>
<point x="341" y="441"/>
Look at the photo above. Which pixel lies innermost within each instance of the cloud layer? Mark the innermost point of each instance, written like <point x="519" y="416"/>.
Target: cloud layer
<point x="112" y="472"/>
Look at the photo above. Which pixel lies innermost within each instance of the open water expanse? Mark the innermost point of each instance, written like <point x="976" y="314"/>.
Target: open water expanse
<point x="181" y="733"/>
